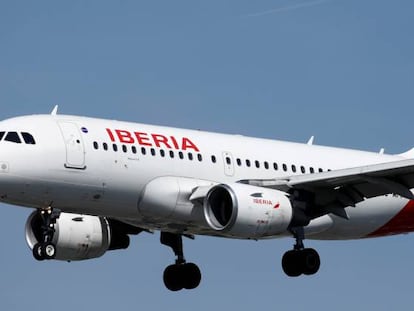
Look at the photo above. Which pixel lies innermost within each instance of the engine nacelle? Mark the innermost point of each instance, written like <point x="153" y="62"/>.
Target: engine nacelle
<point x="245" y="211"/>
<point x="77" y="237"/>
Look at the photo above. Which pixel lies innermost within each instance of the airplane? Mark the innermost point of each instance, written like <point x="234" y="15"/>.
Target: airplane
<point x="93" y="183"/>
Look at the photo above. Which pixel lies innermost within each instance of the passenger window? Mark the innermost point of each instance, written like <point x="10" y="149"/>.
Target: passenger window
<point x="171" y="154"/>
<point x="1" y="135"/>
<point x="95" y="145"/>
<point x="115" y="147"/>
<point x="199" y="157"/>
<point x="266" y="165"/>
<point x="105" y="146"/>
<point x="143" y="151"/>
<point x="181" y="155"/>
<point x="311" y="170"/>
<point x="190" y="156"/>
<point x="162" y="152"/>
<point x="28" y="139"/>
<point x="302" y="169"/>
<point x="293" y="168"/>
<point x="13" y="137"/>
<point x="257" y="164"/>
<point x="275" y="166"/>
<point x="248" y="163"/>
<point x="153" y="151"/>
<point x="124" y="148"/>
<point x="239" y="163"/>
<point x="213" y="159"/>
<point x="284" y="166"/>
<point x="134" y="149"/>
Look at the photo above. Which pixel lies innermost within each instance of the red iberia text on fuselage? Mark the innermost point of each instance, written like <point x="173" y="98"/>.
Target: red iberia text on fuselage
<point x="263" y="201"/>
<point x="152" y="140"/>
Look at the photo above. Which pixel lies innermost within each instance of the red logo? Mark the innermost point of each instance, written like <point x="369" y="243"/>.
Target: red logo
<point x="262" y="201"/>
<point x="152" y="140"/>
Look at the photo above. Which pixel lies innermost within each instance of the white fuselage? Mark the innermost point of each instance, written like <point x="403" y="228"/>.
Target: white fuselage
<point x="101" y="167"/>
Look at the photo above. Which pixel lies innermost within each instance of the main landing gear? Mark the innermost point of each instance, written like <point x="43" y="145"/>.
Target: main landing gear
<point x="300" y="260"/>
<point x="45" y="248"/>
<point x="181" y="275"/>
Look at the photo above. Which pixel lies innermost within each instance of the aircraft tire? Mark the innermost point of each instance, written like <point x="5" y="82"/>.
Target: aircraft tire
<point x="191" y="276"/>
<point x="48" y="250"/>
<point x="38" y="252"/>
<point x="292" y="263"/>
<point x="172" y="278"/>
<point x="310" y="261"/>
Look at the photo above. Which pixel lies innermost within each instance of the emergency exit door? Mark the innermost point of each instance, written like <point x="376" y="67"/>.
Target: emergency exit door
<point x="228" y="163"/>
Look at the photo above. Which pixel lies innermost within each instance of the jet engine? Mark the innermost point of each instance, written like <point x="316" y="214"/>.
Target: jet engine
<point x="244" y="211"/>
<point x="78" y="237"/>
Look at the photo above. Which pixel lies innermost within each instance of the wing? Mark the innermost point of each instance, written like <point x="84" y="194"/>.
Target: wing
<point x="332" y="191"/>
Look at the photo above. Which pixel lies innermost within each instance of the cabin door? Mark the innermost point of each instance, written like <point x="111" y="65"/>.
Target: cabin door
<point x="75" y="148"/>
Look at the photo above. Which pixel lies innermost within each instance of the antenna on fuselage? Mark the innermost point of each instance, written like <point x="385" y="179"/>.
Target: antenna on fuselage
<point x="55" y="110"/>
<point x="310" y="141"/>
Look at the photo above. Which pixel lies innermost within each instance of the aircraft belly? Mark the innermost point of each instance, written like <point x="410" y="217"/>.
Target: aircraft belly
<point x="365" y="219"/>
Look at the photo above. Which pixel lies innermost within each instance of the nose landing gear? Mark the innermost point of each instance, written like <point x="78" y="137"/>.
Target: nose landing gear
<point x="45" y="248"/>
<point x="181" y="275"/>
<point x="300" y="260"/>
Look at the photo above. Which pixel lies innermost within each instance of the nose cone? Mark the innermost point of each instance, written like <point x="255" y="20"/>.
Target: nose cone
<point x="4" y="161"/>
<point x="11" y="184"/>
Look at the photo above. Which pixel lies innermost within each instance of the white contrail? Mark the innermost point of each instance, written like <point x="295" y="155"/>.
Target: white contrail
<point x="289" y="8"/>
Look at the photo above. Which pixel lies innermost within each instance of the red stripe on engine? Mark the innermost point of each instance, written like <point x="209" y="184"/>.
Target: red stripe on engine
<point x="403" y="222"/>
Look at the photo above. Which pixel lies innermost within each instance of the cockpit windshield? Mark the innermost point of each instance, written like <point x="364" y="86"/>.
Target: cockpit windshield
<point x="15" y="137"/>
<point x="28" y="138"/>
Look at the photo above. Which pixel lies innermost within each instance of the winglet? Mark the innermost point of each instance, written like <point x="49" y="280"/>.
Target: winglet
<point x="55" y="110"/>
<point x="310" y="141"/>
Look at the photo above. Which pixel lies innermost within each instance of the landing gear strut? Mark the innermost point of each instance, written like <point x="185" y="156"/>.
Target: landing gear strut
<point x="181" y="275"/>
<point x="45" y="248"/>
<point x="300" y="260"/>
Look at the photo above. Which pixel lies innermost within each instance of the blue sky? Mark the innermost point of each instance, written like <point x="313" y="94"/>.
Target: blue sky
<point x="342" y="70"/>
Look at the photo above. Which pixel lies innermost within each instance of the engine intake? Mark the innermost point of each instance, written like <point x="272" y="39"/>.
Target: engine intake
<point x="245" y="211"/>
<point x="221" y="208"/>
<point x="78" y="237"/>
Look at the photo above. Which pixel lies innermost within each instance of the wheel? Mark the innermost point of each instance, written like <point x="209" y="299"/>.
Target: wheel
<point x="37" y="252"/>
<point x="310" y="261"/>
<point x="291" y="263"/>
<point x="49" y="250"/>
<point x="191" y="276"/>
<point x="172" y="278"/>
